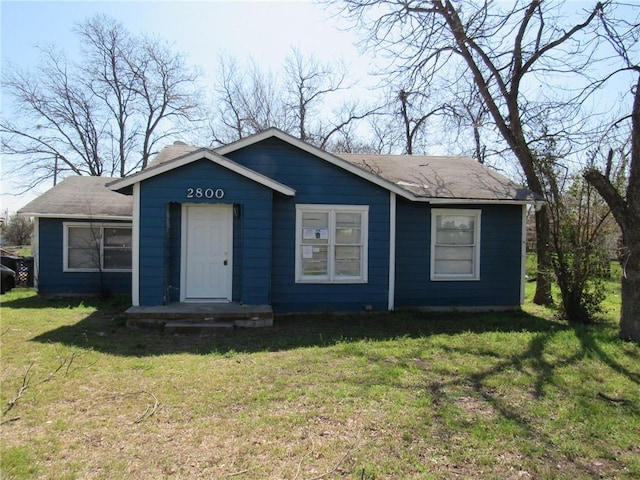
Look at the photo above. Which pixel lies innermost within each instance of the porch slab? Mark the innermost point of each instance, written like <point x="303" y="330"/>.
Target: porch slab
<point x="166" y="317"/>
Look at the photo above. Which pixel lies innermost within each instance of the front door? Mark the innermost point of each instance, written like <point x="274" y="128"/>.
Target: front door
<point x="207" y="239"/>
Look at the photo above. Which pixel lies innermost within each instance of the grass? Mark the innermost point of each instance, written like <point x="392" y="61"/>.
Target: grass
<point x="402" y="395"/>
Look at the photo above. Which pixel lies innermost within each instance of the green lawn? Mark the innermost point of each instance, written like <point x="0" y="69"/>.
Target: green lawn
<point x="403" y="395"/>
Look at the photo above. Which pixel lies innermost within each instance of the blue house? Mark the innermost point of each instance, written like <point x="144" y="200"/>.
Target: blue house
<point x="274" y="222"/>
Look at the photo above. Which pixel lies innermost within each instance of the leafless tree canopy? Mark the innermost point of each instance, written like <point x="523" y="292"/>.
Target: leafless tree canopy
<point x="304" y="100"/>
<point x="103" y="115"/>
<point x="509" y="50"/>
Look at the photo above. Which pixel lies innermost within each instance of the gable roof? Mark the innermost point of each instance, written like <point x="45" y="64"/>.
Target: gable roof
<point x="82" y="198"/>
<point x="443" y="179"/>
<point x="418" y="178"/>
<point x="313" y="150"/>
<point x="166" y="164"/>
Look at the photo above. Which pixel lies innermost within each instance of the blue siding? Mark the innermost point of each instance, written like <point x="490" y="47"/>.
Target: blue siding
<point x="500" y="260"/>
<point x="52" y="280"/>
<point x="252" y="240"/>
<point x="264" y="240"/>
<point x="173" y="249"/>
<point x="318" y="182"/>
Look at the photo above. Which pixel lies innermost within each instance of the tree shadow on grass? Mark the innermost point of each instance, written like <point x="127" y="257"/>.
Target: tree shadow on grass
<point x="112" y="304"/>
<point x="105" y="332"/>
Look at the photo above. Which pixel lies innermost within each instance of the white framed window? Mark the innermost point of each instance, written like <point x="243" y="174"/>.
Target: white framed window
<point x="455" y="244"/>
<point x="331" y="243"/>
<point x="91" y="247"/>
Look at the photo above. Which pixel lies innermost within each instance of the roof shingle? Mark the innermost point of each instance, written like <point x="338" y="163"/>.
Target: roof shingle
<point x="86" y="197"/>
<point x="453" y="178"/>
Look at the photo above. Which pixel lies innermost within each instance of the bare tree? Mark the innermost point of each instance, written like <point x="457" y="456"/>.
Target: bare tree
<point x="247" y="100"/>
<point x="504" y="49"/>
<point x="624" y="201"/>
<point x="621" y="191"/>
<point x="305" y="101"/>
<point x="102" y="115"/>
<point x="416" y="109"/>
<point x="307" y="84"/>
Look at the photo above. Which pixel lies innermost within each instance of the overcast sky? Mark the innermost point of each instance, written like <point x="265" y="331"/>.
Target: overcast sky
<point x="264" y="31"/>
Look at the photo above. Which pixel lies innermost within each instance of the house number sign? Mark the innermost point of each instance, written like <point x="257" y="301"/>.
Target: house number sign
<point x="205" y="193"/>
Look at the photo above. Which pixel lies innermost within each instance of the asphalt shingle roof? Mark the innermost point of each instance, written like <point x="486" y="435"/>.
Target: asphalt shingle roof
<point x="460" y="178"/>
<point x="81" y="197"/>
<point x="422" y="177"/>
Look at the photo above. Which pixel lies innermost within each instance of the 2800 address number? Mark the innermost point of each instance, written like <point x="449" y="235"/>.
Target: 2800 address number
<point x="205" y="193"/>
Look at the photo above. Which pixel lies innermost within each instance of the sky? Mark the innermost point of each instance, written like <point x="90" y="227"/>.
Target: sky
<point x="263" y="30"/>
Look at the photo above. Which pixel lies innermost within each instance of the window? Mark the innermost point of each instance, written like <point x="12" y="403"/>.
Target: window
<point x="331" y="243"/>
<point x="455" y="244"/>
<point x="95" y="247"/>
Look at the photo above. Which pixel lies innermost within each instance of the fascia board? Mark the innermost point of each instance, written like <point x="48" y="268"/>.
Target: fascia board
<point x="76" y="216"/>
<point x="198" y="155"/>
<point x="274" y="132"/>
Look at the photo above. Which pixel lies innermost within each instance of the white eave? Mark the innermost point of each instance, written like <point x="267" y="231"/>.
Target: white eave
<point x="395" y="187"/>
<point x="200" y="154"/>
<point x="73" y="216"/>
<point x="274" y="132"/>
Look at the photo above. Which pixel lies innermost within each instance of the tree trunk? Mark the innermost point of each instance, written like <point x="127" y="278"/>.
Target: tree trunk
<point x="543" y="251"/>
<point x="630" y="310"/>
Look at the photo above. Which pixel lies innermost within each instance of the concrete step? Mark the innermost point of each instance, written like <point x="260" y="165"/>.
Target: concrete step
<point x="199" y="317"/>
<point x="197" y="327"/>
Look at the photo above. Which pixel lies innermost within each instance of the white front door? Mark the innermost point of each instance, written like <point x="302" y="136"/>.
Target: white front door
<point x="207" y="244"/>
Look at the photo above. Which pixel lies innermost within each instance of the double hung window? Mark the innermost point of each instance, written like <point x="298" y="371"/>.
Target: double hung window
<point x="97" y="247"/>
<point x="455" y="244"/>
<point x="331" y="243"/>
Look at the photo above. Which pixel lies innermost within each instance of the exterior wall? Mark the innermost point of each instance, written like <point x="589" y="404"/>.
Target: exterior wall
<point x="53" y="280"/>
<point x="161" y="198"/>
<point x="318" y="182"/>
<point x="500" y="260"/>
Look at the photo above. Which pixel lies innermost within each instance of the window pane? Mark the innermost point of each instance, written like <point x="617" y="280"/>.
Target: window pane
<point x="449" y="267"/>
<point x="348" y="228"/>
<point x="348" y="220"/>
<point x="349" y="235"/>
<point x="84" y="248"/>
<point x="454" y="253"/>
<point x="315" y="219"/>
<point x="314" y="260"/>
<point x="455" y="222"/>
<point x="84" y="237"/>
<point x="454" y="260"/>
<point x="117" y="258"/>
<point x="315" y="227"/>
<point x="83" y="258"/>
<point x="117" y="237"/>
<point x="348" y="261"/>
<point x="454" y="237"/>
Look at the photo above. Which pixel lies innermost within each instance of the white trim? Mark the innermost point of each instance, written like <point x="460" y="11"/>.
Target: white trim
<point x="35" y="250"/>
<point x="476" y="201"/>
<point x="331" y="210"/>
<point x="183" y="253"/>
<point x="80" y="216"/>
<point x="523" y="254"/>
<point x="101" y="225"/>
<point x="183" y="250"/>
<point x="135" y="245"/>
<point x="476" y="253"/>
<point x="200" y="154"/>
<point x="392" y="251"/>
<point x="339" y="162"/>
<point x="348" y="166"/>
